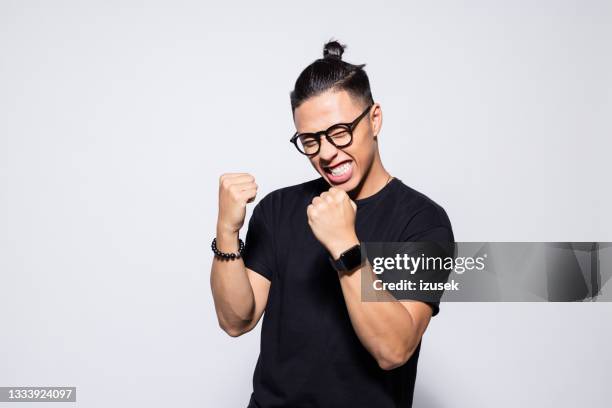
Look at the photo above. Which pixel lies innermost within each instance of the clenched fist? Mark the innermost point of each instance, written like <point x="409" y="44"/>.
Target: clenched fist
<point x="235" y="191"/>
<point x="331" y="217"/>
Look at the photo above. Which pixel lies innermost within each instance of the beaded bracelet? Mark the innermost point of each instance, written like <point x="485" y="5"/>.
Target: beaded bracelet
<point x="225" y="255"/>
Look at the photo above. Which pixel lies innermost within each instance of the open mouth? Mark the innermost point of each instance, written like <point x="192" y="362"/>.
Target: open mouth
<point x="339" y="173"/>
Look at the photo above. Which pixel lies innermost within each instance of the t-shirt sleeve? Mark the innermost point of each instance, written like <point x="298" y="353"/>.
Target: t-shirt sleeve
<point x="431" y="225"/>
<point x="259" y="251"/>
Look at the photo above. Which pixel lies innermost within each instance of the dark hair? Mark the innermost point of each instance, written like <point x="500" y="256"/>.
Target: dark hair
<point x="330" y="72"/>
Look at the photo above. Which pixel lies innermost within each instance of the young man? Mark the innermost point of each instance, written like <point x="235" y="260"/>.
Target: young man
<point x="321" y="346"/>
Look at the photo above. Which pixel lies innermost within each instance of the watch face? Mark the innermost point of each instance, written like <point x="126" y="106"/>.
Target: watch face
<point x="352" y="258"/>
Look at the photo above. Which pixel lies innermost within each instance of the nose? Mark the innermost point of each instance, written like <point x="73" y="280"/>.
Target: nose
<point x="327" y="151"/>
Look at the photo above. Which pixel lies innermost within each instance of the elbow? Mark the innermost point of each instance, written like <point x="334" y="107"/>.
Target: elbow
<point x="234" y="325"/>
<point x="233" y="330"/>
<point x="389" y="363"/>
<point x="394" y="357"/>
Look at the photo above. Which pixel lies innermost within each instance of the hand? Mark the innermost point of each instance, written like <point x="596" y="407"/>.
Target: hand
<point x="331" y="217"/>
<point x="235" y="191"/>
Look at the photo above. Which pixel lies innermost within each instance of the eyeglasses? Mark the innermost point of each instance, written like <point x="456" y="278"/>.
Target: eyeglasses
<point x="339" y="135"/>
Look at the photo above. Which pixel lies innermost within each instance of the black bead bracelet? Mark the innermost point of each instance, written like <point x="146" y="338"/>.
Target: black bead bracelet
<point x="225" y="255"/>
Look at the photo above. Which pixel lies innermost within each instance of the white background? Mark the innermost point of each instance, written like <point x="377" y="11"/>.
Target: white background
<point x="117" y="117"/>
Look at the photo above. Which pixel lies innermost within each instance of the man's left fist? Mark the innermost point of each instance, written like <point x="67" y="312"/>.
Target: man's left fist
<point x="331" y="217"/>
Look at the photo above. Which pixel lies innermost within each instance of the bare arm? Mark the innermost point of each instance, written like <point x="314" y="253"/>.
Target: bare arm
<point x="390" y="330"/>
<point x="240" y="294"/>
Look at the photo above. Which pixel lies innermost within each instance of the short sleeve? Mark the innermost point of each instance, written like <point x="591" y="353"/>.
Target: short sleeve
<point x="259" y="251"/>
<point x="431" y="225"/>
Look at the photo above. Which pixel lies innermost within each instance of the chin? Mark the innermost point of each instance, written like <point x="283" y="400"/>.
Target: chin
<point x="349" y="185"/>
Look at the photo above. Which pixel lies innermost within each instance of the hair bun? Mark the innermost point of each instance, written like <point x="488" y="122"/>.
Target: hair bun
<point x="333" y="49"/>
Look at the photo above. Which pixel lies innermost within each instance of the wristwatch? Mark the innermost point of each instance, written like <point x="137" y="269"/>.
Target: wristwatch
<point x="348" y="260"/>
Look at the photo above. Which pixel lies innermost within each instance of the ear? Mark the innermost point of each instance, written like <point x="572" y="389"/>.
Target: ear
<point x="376" y="119"/>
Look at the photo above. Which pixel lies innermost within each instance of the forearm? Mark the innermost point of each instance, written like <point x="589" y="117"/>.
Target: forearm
<point x="389" y="330"/>
<point x="385" y="327"/>
<point x="232" y="291"/>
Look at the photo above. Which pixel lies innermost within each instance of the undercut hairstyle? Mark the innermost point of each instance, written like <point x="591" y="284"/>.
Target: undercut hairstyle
<point x="331" y="73"/>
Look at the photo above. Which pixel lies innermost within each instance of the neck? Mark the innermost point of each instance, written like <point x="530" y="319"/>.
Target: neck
<point x="373" y="181"/>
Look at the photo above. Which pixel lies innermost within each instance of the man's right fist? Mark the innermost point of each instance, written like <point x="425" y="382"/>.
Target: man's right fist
<point x="235" y="191"/>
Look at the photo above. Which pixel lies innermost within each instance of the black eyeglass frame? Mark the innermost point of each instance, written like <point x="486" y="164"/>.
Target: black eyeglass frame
<point x="350" y="127"/>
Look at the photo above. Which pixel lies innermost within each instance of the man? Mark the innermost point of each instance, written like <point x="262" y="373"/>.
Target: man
<point x="321" y="346"/>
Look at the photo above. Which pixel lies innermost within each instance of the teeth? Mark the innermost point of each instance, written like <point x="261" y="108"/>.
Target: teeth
<point x="340" y="170"/>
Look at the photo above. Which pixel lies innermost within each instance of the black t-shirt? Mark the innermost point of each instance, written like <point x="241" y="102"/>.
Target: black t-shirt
<point x="310" y="355"/>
